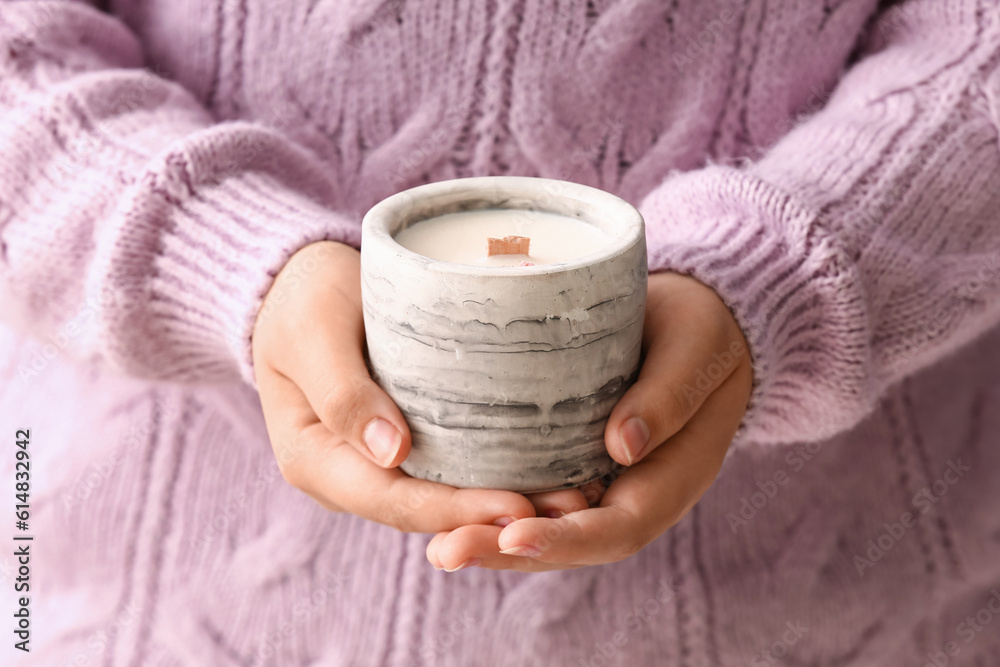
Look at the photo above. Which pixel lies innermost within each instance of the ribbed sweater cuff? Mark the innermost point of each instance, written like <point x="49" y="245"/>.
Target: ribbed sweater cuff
<point x="199" y="248"/>
<point x="792" y="290"/>
<point x="227" y="246"/>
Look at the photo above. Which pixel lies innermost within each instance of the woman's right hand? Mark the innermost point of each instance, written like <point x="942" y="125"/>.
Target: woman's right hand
<point x="335" y="433"/>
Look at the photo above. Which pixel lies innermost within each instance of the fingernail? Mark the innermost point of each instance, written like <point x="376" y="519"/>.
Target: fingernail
<point x="634" y="435"/>
<point x="382" y="439"/>
<point x="504" y="521"/>
<point x="554" y="514"/>
<point x="525" y="550"/>
<point x="472" y="562"/>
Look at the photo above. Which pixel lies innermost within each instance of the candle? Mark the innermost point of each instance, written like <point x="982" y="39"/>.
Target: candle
<point x="506" y="375"/>
<point x="463" y="237"/>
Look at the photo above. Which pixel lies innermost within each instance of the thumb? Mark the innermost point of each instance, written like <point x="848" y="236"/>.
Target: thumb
<point x="357" y="410"/>
<point x="315" y="338"/>
<point x="649" y="413"/>
<point x="330" y="371"/>
<point x="328" y="366"/>
<point x="692" y="345"/>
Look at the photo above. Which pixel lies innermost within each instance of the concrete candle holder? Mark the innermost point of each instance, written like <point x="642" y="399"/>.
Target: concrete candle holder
<point x="506" y="375"/>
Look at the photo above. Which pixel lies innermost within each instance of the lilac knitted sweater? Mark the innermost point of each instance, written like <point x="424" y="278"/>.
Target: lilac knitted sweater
<point x="831" y="168"/>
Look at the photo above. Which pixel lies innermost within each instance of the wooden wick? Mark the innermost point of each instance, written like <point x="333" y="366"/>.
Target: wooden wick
<point x="508" y="245"/>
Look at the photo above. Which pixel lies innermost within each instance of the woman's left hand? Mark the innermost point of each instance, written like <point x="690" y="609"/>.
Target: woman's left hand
<point x="672" y="428"/>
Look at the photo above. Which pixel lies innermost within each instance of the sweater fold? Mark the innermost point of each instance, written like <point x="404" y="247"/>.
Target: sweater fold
<point x="200" y="241"/>
<point x="859" y="248"/>
<point x="135" y="228"/>
<point x="797" y="298"/>
<point x="864" y="245"/>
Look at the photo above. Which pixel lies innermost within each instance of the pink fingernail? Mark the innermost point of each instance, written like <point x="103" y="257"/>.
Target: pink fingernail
<point x="383" y="440"/>
<point x="634" y="435"/>
<point x="504" y="521"/>
<point x="554" y="514"/>
<point x="472" y="562"/>
<point x="524" y="550"/>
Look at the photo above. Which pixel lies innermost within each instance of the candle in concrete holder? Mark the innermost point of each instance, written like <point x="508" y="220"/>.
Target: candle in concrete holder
<point x="506" y="367"/>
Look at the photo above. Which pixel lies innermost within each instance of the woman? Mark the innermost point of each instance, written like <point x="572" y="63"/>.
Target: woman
<point x="182" y="188"/>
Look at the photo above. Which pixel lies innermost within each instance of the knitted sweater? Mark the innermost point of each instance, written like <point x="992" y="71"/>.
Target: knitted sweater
<point x="830" y="169"/>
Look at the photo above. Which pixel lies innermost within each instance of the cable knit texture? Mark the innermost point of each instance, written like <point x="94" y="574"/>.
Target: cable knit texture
<point x="831" y="169"/>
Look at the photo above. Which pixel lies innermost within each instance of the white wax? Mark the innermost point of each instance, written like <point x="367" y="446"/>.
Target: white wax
<point x="462" y="237"/>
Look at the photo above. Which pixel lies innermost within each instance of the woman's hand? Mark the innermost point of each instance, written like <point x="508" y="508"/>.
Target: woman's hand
<point x="673" y="428"/>
<point x="336" y="434"/>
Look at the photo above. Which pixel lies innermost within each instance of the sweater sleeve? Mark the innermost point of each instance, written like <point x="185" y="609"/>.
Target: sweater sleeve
<point x="133" y="228"/>
<point x="865" y="244"/>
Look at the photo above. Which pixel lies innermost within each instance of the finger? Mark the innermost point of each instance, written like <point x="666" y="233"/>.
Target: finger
<point x="593" y="491"/>
<point x="554" y="504"/>
<point x="446" y="553"/>
<point x="692" y="345"/>
<point x="391" y="497"/>
<point x="324" y="321"/>
<point x="476" y="546"/>
<point x="340" y="478"/>
<point x="290" y="423"/>
<point x="646" y="500"/>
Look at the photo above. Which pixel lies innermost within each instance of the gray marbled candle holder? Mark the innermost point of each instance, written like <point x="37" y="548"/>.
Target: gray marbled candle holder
<point x="506" y="375"/>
